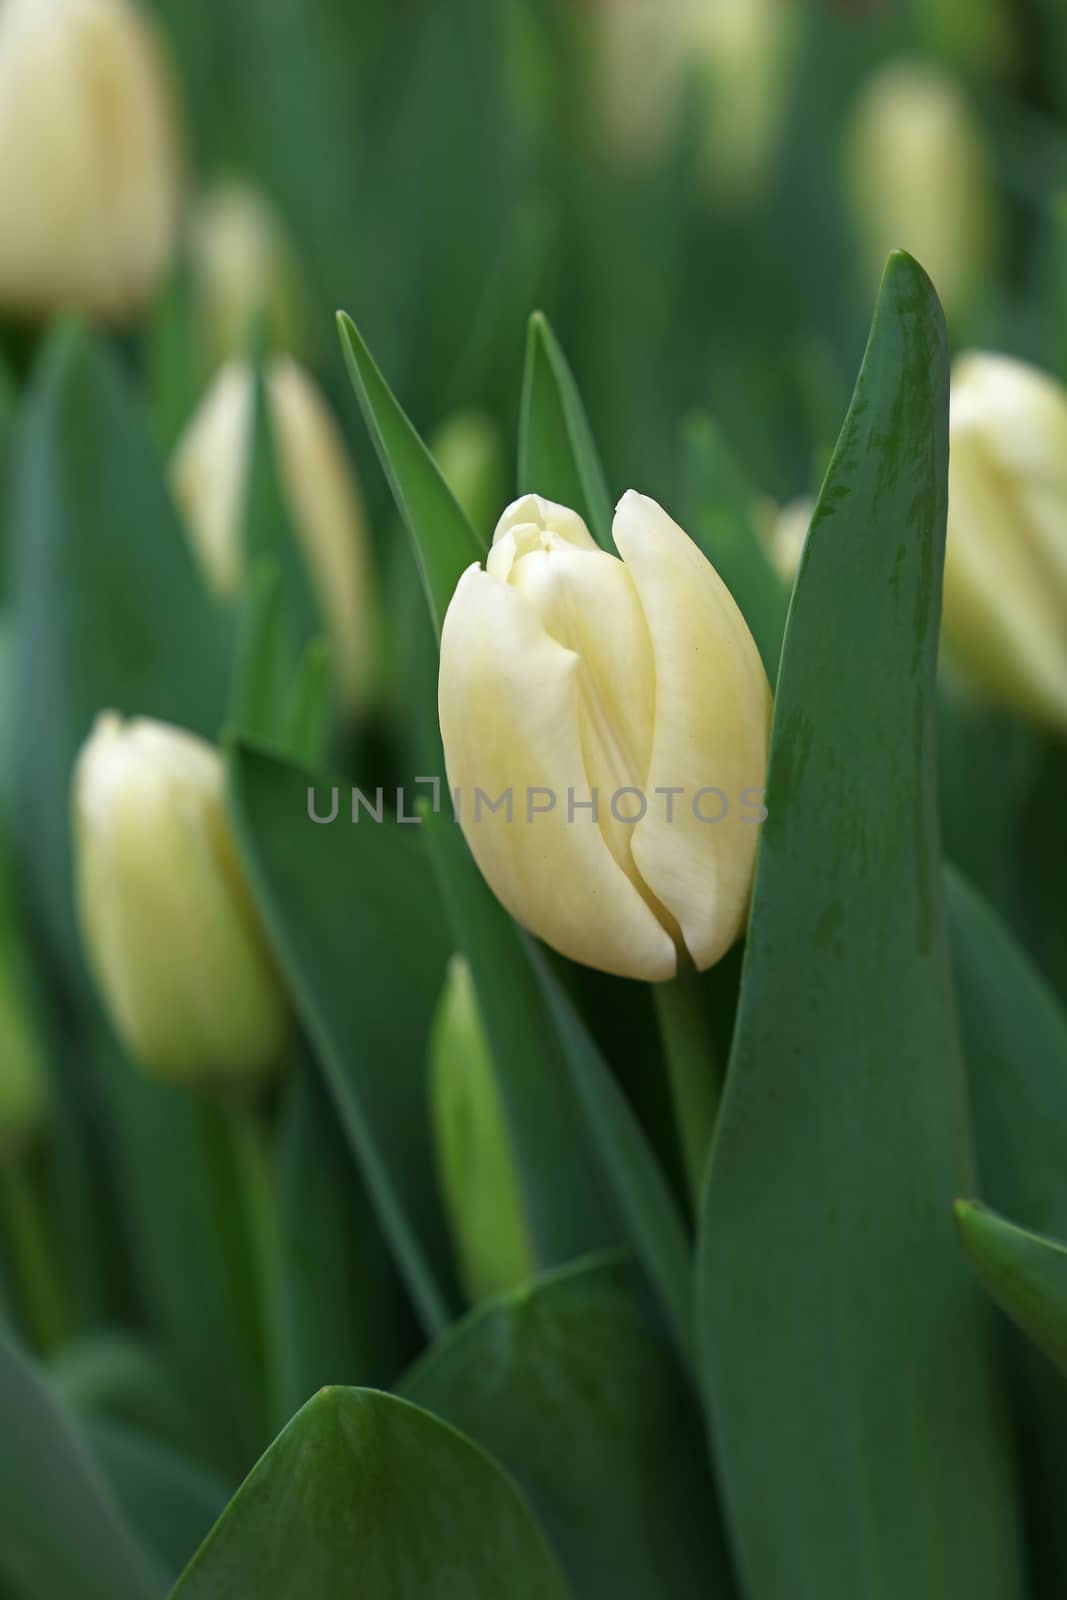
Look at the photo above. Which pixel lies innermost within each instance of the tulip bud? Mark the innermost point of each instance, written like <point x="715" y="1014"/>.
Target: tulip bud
<point x="919" y="177"/>
<point x="638" y="70"/>
<point x="787" y="534"/>
<point x="476" y="1168"/>
<point x="209" y="473"/>
<point x="89" y="164"/>
<point x="170" y="929"/>
<point x="741" y="50"/>
<point x="241" y="263"/>
<point x="616" y="715"/>
<point x="23" y="1081"/>
<point x="1005" y="594"/>
<point x="467" y="449"/>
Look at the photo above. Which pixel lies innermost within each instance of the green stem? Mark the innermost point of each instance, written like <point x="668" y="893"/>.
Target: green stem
<point x="38" y="1282"/>
<point x="693" y="1070"/>
<point x="245" y="1211"/>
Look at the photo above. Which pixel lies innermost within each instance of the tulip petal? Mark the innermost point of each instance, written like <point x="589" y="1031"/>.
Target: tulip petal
<point x="1003" y="617"/>
<point x="713" y="706"/>
<point x="510" y="721"/>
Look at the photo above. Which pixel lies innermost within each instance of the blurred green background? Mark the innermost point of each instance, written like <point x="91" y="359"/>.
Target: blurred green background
<point x="443" y="167"/>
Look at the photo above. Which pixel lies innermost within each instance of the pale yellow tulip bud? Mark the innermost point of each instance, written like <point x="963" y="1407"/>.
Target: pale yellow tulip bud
<point x="242" y="263"/>
<point x="616" y="715"/>
<point x="918" y="170"/>
<point x="637" y="65"/>
<point x="787" y="533"/>
<point x="742" y="51"/>
<point x="209" y="474"/>
<point x="1005" y="606"/>
<point x="476" y="1166"/>
<point x="170" y="929"/>
<point x="89" y="161"/>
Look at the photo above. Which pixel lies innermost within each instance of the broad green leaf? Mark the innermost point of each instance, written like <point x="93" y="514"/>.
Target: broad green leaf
<point x="445" y="543"/>
<point x="168" y="1149"/>
<point x="653" y="1222"/>
<point x="571" y="1383"/>
<point x="120" y="1376"/>
<point x="308" y="710"/>
<point x="846" y="1354"/>
<point x="355" y="922"/>
<point x="267" y="528"/>
<point x="557" y="455"/>
<point x="109" y="608"/>
<point x="344" y="1317"/>
<point x="61" y="1533"/>
<point x="275" y="698"/>
<point x="988" y="762"/>
<point x="718" y="516"/>
<point x="1025" y="1273"/>
<point x="1015" y="1043"/>
<point x="170" y="1502"/>
<point x="262" y="659"/>
<point x="567" y="1207"/>
<point x="366" y="1494"/>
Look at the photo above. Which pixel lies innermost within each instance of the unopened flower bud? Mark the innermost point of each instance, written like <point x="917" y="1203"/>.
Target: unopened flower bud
<point x="89" y="161"/>
<point x="242" y="263"/>
<point x="1005" y="596"/>
<point x="479" y="1182"/>
<point x="209" y="474"/>
<point x="622" y="708"/>
<point x="170" y="929"/>
<point x="919" y="176"/>
<point x="787" y="534"/>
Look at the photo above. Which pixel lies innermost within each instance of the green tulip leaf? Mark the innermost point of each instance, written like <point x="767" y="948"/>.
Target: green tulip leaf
<point x="268" y="530"/>
<point x="110" y="609"/>
<point x="653" y="1222"/>
<point x="565" y="1203"/>
<point x="61" y="1532"/>
<point x="445" y="543"/>
<point x="191" y="1270"/>
<point x="354" y="920"/>
<point x="718" y="516"/>
<point x="1025" y="1273"/>
<point x="847" y="1363"/>
<point x="344" y="1317"/>
<point x="1015" y="1043"/>
<point x="262" y="660"/>
<point x="367" y="1494"/>
<point x="578" y="1355"/>
<point x="557" y="455"/>
<point x="172" y="1503"/>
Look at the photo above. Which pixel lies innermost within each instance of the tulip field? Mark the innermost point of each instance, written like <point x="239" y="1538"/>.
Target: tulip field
<point x="533" y="887"/>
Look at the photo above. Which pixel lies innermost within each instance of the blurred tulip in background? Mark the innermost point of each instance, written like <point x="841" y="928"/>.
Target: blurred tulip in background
<point x="1005" y="616"/>
<point x="89" y="158"/>
<point x="169" y="926"/>
<point x="209" y="473"/>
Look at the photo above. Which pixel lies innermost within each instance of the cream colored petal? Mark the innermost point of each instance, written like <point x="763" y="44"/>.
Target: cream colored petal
<point x="207" y="476"/>
<point x="1005" y="614"/>
<point x="587" y="602"/>
<point x="713" y="707"/>
<point x="169" y="926"/>
<point x="534" y="523"/>
<point x="509" y="721"/>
